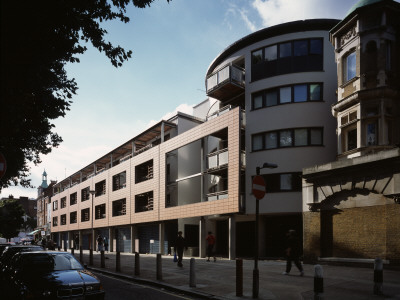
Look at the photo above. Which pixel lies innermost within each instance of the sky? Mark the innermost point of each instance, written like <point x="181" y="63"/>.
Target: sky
<point x="173" y="45"/>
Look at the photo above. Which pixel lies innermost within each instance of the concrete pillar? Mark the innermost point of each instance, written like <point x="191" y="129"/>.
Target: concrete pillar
<point x="232" y="237"/>
<point x="110" y="241"/>
<point x="133" y="238"/>
<point x="161" y="237"/>
<point x="202" y="237"/>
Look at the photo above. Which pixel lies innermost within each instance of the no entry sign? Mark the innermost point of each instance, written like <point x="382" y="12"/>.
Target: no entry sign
<point x="258" y="187"/>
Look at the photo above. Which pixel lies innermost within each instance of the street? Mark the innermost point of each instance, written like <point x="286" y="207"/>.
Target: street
<point x="122" y="289"/>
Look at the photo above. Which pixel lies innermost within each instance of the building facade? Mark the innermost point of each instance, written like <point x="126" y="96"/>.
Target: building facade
<point x="270" y="95"/>
<point x="351" y="205"/>
<point x="43" y="204"/>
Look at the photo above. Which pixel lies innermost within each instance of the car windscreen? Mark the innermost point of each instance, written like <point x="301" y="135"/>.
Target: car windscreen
<point x="49" y="262"/>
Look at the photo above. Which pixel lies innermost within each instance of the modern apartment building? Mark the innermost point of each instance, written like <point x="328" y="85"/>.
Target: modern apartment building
<point x="351" y="205"/>
<point x="274" y="90"/>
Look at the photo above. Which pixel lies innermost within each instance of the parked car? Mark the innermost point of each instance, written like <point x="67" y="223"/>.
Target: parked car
<point x="9" y="252"/>
<point x="51" y="275"/>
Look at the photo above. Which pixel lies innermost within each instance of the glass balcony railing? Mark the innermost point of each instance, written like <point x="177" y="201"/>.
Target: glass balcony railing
<point x="229" y="75"/>
<point x="218" y="159"/>
<point x="217" y="196"/>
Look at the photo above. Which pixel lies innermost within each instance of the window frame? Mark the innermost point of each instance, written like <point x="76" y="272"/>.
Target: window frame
<point x="346" y="66"/>
<point x="73" y="198"/>
<point x="83" y="211"/>
<point x="118" y="185"/>
<point x="115" y="211"/>
<point x="72" y="219"/>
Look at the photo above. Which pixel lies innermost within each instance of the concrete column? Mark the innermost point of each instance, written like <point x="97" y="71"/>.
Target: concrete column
<point x="232" y="237"/>
<point x="110" y="239"/>
<point x="202" y="237"/>
<point x="161" y="237"/>
<point x="133" y="237"/>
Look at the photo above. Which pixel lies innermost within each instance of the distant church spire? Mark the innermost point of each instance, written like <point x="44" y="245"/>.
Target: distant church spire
<point x="44" y="180"/>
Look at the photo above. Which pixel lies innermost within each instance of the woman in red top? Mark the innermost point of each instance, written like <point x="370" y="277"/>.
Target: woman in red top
<point x="210" y="246"/>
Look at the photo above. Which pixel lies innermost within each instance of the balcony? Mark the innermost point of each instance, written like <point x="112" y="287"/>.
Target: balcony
<point x="218" y="159"/>
<point x="226" y="83"/>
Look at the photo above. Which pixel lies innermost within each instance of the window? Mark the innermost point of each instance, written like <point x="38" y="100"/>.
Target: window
<point x="55" y="205"/>
<point x="283" y="182"/>
<point x="85" y="215"/>
<point x="73" y="199"/>
<point x="55" y="221"/>
<point x="100" y="211"/>
<point x="350" y="66"/>
<point x="372" y="133"/>
<point x="287" y="138"/>
<point x="144" y="171"/>
<point x="100" y="188"/>
<point x="63" y="202"/>
<point x="288" y="57"/>
<point x="144" y="202"/>
<point x="73" y="217"/>
<point x="85" y="194"/>
<point x="287" y="94"/>
<point x="119" y="181"/>
<point x="63" y="219"/>
<point x="119" y="208"/>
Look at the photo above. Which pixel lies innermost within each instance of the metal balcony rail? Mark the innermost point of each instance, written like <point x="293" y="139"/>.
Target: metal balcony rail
<point x="218" y="159"/>
<point x="217" y="195"/>
<point x="229" y="73"/>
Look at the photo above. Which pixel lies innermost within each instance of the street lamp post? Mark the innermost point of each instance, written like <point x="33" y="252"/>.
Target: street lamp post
<point x="92" y="192"/>
<point x="256" y="273"/>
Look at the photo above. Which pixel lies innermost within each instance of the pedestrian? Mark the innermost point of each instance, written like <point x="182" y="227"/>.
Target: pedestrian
<point x="292" y="252"/>
<point x="180" y="244"/>
<point x="99" y="243"/>
<point x="210" y="246"/>
<point x="44" y="243"/>
<point x="105" y="244"/>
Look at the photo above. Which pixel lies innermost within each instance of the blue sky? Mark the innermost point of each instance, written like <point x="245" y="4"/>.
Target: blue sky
<point x="173" y="45"/>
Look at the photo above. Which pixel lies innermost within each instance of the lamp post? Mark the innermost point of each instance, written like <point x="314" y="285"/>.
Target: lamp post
<point x="92" y="192"/>
<point x="259" y="192"/>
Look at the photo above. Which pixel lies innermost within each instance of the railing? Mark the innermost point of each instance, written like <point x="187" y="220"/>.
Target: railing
<point x="145" y="148"/>
<point x="218" y="158"/>
<point x="217" y="196"/>
<point x="229" y="73"/>
<point x="220" y="112"/>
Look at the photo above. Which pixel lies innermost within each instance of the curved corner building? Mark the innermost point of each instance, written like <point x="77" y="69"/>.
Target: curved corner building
<point x="285" y="78"/>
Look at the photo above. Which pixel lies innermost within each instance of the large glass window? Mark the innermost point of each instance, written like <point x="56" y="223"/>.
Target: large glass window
<point x="73" y="217"/>
<point x="372" y="133"/>
<point x="350" y="66"/>
<point x="85" y="215"/>
<point x="315" y="46"/>
<point x="119" y="181"/>
<point x="271" y="53"/>
<point x="100" y="211"/>
<point x="288" y="138"/>
<point x="285" y="50"/>
<point x="352" y="139"/>
<point x="300" y="48"/>
<point x="85" y="194"/>
<point x="73" y="198"/>
<point x="100" y="188"/>
<point x="287" y="94"/>
<point x="283" y="182"/>
<point x="119" y="208"/>
<point x="257" y="56"/>
<point x="144" y="171"/>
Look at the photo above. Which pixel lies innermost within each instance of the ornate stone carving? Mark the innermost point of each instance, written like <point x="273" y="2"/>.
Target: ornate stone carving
<point x="350" y="34"/>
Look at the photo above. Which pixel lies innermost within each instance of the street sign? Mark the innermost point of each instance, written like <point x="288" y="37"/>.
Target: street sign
<point x="3" y="165"/>
<point x="258" y="187"/>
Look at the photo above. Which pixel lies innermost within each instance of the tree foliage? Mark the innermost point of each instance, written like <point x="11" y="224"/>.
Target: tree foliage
<point x="11" y="218"/>
<point x="38" y="38"/>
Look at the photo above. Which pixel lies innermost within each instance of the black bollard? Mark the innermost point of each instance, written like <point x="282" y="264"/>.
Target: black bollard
<point x="73" y="251"/>
<point x="192" y="274"/>
<point x="118" y="262"/>
<point x="102" y="260"/>
<point x="159" y="267"/>
<point x="81" y="255"/>
<point x="91" y="257"/>
<point x="318" y="281"/>
<point x="239" y="277"/>
<point x="137" y="264"/>
<point x="378" y="276"/>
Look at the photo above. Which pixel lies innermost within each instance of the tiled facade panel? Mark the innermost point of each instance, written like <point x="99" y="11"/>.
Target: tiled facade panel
<point x="230" y="120"/>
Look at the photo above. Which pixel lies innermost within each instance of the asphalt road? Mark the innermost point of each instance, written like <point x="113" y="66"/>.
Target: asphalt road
<point x="120" y="289"/>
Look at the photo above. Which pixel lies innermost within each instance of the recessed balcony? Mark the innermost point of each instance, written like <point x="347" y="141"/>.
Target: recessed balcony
<point x="226" y="83"/>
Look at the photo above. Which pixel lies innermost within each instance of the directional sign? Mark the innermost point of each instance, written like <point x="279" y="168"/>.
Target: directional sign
<point x="258" y="187"/>
<point x="3" y="165"/>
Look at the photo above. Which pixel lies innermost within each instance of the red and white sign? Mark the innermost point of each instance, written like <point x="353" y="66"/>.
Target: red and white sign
<point x="258" y="187"/>
<point x="3" y="165"/>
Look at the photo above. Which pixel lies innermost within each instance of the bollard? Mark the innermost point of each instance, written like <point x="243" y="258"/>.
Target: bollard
<point x="318" y="281"/>
<point x="65" y="247"/>
<point x="90" y="257"/>
<point x="59" y="247"/>
<point x="192" y="274"/>
<point x="81" y="255"/>
<point x="118" y="262"/>
<point x="378" y="276"/>
<point x="137" y="264"/>
<point x="73" y="251"/>
<point x="239" y="277"/>
<point x="102" y="260"/>
<point x="159" y="267"/>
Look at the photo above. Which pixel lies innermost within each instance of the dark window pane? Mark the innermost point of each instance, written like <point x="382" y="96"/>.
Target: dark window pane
<point x="285" y="50"/>
<point x="315" y="92"/>
<point x="271" y="53"/>
<point x="300" y="48"/>
<point x="316" y="136"/>
<point x="285" y="138"/>
<point x="316" y="46"/>
<point x="300" y="137"/>
<point x="271" y="140"/>
<point x="300" y="93"/>
<point x="352" y="139"/>
<point x="285" y="94"/>
<point x="256" y="56"/>
<point x="272" y="97"/>
<point x="257" y="142"/>
<point x="257" y="101"/>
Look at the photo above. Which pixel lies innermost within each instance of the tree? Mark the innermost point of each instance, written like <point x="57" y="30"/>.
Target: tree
<point x="30" y="223"/>
<point x="11" y="218"/>
<point x="38" y="38"/>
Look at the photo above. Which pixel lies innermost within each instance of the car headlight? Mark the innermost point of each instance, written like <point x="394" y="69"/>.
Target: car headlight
<point x="94" y="287"/>
<point x="46" y="293"/>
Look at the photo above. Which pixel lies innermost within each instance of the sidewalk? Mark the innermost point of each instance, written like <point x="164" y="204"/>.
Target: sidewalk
<point x="218" y="280"/>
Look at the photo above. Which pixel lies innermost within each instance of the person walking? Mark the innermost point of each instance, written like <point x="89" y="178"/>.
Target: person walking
<point x="99" y="243"/>
<point x="105" y="244"/>
<point x="180" y="244"/>
<point x="210" y="246"/>
<point x="293" y="252"/>
<point x="76" y="245"/>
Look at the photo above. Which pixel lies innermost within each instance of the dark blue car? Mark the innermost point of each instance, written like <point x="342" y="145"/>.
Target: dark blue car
<point x="51" y="275"/>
